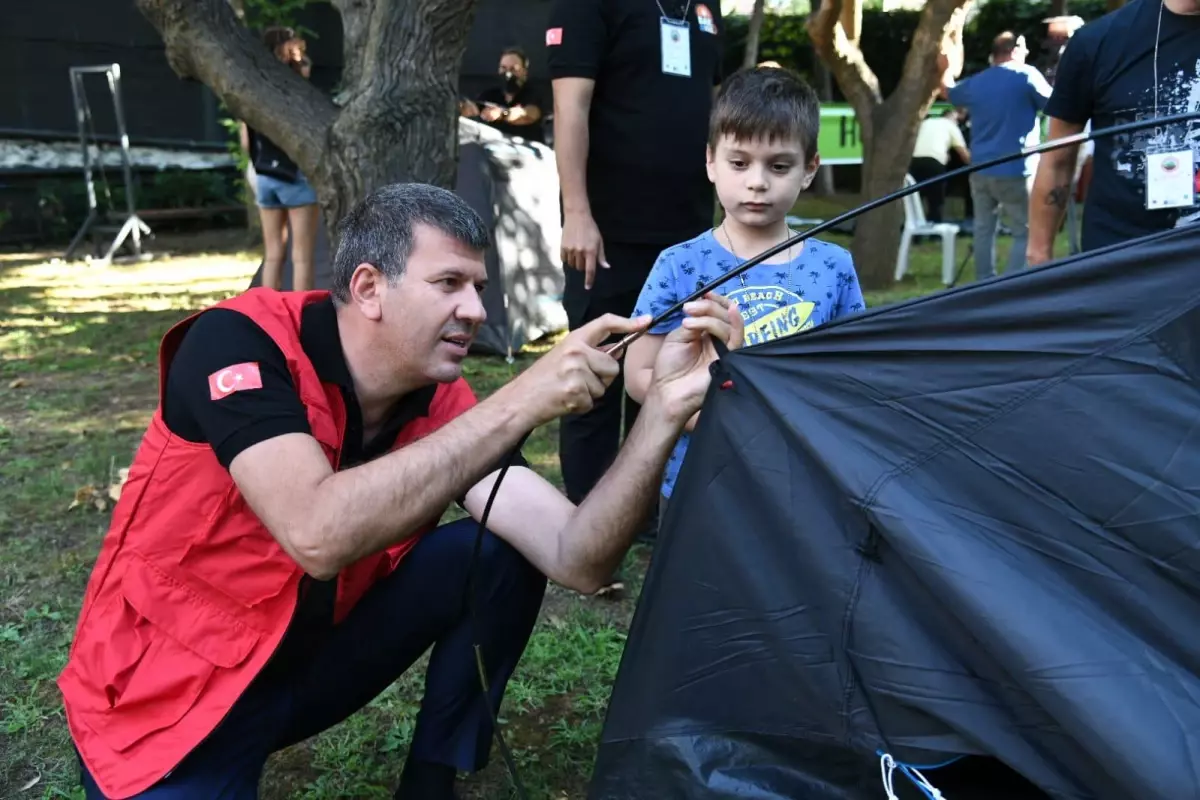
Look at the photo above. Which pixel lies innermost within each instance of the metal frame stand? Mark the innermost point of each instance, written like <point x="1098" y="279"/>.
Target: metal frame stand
<point x="132" y="227"/>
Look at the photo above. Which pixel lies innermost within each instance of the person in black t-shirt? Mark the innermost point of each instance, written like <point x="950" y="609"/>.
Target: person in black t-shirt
<point x="633" y="84"/>
<point x="513" y="107"/>
<point x="1140" y="61"/>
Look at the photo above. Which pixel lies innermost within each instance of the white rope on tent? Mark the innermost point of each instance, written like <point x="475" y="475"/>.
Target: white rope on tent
<point x="887" y="766"/>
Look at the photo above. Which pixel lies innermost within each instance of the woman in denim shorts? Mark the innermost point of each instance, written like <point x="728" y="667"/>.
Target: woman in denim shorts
<point x="284" y="196"/>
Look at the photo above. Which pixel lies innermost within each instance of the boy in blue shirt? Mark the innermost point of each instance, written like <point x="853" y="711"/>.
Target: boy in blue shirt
<point x="762" y="152"/>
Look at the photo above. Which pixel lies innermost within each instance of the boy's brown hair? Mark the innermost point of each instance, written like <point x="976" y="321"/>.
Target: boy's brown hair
<point x="766" y="103"/>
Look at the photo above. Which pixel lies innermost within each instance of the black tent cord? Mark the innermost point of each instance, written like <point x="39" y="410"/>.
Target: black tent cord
<point x="1055" y="144"/>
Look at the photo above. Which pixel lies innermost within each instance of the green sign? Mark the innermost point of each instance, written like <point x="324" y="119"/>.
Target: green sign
<point x="840" y="138"/>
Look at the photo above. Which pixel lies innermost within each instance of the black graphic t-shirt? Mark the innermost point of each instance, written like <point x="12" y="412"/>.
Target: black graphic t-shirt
<point x="1106" y="75"/>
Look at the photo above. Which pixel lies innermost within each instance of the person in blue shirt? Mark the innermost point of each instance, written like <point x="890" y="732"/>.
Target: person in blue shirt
<point x="1004" y="101"/>
<point x="762" y="152"/>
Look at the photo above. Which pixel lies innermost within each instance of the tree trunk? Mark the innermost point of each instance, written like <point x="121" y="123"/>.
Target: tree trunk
<point x="824" y="80"/>
<point x="877" y="233"/>
<point x="754" y="34"/>
<point x="888" y="127"/>
<point x="399" y="115"/>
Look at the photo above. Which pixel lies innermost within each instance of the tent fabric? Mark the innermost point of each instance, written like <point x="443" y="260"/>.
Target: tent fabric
<point x="960" y="527"/>
<point x="513" y="186"/>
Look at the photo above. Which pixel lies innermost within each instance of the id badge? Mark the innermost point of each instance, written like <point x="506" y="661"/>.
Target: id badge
<point x="1170" y="180"/>
<point x="676" y="48"/>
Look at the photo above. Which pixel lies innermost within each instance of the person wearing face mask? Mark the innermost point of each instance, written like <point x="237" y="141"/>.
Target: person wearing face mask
<point x="512" y="106"/>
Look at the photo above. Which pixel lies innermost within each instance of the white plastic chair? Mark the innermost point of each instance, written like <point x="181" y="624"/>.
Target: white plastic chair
<point x="915" y="224"/>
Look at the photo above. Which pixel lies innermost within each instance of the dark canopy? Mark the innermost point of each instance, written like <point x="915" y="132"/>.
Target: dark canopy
<point x="966" y="525"/>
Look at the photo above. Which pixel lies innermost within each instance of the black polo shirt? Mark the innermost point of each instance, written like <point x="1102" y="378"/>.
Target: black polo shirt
<point x="647" y="181"/>
<point x="527" y="95"/>
<point x="220" y="337"/>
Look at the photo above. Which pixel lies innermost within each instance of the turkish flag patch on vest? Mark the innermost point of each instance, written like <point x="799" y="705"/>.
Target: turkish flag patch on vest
<point x="236" y="378"/>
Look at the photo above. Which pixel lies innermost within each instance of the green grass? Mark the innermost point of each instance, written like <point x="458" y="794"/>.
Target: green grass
<point x="77" y="386"/>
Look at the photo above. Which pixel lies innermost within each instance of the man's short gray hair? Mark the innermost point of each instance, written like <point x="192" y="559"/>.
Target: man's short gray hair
<point x="379" y="230"/>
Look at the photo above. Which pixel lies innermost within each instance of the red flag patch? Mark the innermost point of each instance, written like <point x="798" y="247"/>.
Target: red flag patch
<point x="553" y="37"/>
<point x="237" y="378"/>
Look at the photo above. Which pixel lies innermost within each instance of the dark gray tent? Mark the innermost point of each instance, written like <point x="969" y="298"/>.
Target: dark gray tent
<point x="959" y="529"/>
<point x="513" y="185"/>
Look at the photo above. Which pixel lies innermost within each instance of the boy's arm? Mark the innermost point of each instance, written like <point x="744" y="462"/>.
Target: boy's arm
<point x="657" y="295"/>
<point x="639" y="365"/>
<point x="850" y="296"/>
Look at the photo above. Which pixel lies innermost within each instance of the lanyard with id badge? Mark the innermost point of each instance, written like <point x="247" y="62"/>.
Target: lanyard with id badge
<point x="1170" y="174"/>
<point x="676" y="38"/>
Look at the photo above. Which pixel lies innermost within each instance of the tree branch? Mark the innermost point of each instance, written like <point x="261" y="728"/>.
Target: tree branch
<point x="939" y="29"/>
<point x="844" y="59"/>
<point x="205" y="42"/>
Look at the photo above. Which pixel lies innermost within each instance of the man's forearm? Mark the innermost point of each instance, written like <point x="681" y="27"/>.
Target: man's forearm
<point x="1049" y="198"/>
<point x="604" y="526"/>
<point x="571" y="143"/>
<point x="368" y="508"/>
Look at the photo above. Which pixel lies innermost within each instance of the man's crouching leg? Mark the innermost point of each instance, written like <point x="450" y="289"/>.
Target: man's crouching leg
<point x="423" y="603"/>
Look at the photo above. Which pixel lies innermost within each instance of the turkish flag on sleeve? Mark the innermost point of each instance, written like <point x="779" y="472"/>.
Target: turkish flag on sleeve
<point x="237" y="378"/>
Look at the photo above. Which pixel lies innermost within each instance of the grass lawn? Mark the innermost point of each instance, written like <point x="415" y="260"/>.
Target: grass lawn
<point x="77" y="387"/>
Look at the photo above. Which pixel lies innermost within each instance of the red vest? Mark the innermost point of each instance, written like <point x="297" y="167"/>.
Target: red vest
<point x="191" y="595"/>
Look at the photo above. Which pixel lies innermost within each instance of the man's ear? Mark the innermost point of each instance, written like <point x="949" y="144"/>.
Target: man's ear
<point x="367" y="288"/>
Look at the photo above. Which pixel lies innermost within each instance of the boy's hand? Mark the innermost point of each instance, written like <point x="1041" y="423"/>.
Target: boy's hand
<point x="681" y="370"/>
<point x="582" y="247"/>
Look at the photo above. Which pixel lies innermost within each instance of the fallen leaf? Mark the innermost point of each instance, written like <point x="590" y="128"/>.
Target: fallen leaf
<point x="16" y="384"/>
<point x="84" y="494"/>
<point x="32" y="782"/>
<point x="65" y="465"/>
<point x="114" y="489"/>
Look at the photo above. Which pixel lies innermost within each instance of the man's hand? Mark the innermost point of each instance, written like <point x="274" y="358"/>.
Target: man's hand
<point x="1036" y="256"/>
<point x="681" y="369"/>
<point x="571" y="377"/>
<point x="582" y="247"/>
<point x="491" y="113"/>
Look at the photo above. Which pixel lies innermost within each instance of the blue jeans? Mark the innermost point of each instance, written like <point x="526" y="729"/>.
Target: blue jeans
<point x="274" y="193"/>
<point x="421" y="604"/>
<point x="990" y="194"/>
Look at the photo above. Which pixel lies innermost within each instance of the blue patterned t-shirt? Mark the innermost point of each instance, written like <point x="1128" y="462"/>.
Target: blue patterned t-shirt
<point x="819" y="284"/>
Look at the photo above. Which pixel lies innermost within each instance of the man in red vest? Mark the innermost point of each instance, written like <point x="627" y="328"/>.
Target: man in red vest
<point x="274" y="561"/>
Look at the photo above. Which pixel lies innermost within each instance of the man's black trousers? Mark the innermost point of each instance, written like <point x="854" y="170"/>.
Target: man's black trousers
<point x="588" y="442"/>
<point x="419" y="605"/>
